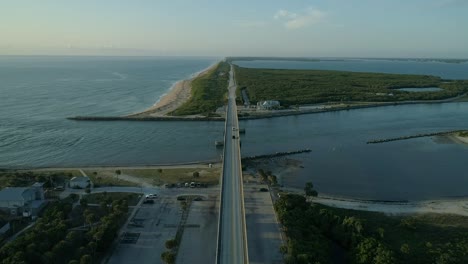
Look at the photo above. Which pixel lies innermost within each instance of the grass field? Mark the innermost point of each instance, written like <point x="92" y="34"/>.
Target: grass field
<point x="107" y="178"/>
<point x="162" y="176"/>
<point x="153" y="176"/>
<point x="208" y="92"/>
<point x="293" y="87"/>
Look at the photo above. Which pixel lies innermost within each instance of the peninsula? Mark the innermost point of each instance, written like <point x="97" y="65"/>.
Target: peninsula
<point x="202" y="97"/>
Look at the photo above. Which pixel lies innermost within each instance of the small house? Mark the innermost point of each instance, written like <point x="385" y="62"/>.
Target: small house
<point x="268" y="105"/>
<point x="22" y="200"/>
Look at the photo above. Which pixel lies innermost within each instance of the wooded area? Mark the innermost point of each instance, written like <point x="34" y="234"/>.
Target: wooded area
<point x="296" y="87"/>
<point x="321" y="234"/>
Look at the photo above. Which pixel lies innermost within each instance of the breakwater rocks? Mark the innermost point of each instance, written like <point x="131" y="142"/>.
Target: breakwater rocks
<point x="148" y="118"/>
<point x="277" y="154"/>
<point x="376" y="141"/>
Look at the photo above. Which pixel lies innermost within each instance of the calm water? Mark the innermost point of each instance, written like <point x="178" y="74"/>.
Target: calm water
<point x="37" y="93"/>
<point x="420" y="90"/>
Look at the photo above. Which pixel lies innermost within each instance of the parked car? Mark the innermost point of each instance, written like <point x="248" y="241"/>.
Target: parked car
<point x="151" y="196"/>
<point x="148" y="201"/>
<point x="263" y="189"/>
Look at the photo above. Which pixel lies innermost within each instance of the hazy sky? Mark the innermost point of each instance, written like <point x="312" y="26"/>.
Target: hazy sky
<point x="334" y="28"/>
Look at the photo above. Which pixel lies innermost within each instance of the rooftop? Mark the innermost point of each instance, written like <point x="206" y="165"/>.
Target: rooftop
<point x="12" y="193"/>
<point x="80" y="179"/>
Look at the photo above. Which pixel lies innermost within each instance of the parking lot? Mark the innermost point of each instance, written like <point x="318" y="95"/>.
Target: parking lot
<point x="198" y="245"/>
<point x="144" y="238"/>
<point x="263" y="232"/>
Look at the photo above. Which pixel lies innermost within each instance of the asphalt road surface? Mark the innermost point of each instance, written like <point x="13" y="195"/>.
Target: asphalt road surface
<point x="232" y="240"/>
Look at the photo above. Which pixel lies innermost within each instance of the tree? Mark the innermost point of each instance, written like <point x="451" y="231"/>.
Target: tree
<point x="273" y="180"/>
<point x="381" y="232"/>
<point x="263" y="176"/>
<point x="118" y="172"/>
<point x="405" y="249"/>
<point x="184" y="205"/>
<point x="171" y="243"/>
<point x="309" y="190"/>
<point x="86" y="259"/>
<point x="168" y="257"/>
<point x="89" y="217"/>
<point x="83" y="202"/>
<point x="196" y="174"/>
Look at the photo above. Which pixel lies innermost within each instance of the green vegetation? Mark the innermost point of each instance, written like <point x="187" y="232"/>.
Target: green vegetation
<point x="317" y="233"/>
<point x="50" y="240"/>
<point x="233" y="59"/>
<point x="208" y="92"/>
<point x="463" y="134"/>
<point x="309" y="189"/>
<point x="107" y="178"/>
<point x="268" y="177"/>
<point x="176" y="175"/>
<point x="108" y="197"/>
<point x="292" y="87"/>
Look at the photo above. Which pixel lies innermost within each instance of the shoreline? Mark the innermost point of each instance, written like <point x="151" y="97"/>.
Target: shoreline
<point x="144" y="116"/>
<point x="455" y="205"/>
<point x="144" y="166"/>
<point x="177" y="95"/>
<point x="458" y="139"/>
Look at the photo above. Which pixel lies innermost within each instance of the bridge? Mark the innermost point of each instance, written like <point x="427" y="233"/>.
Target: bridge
<point x="232" y="233"/>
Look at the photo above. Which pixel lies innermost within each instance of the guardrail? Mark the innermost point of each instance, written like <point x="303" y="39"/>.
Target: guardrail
<point x="244" y="224"/>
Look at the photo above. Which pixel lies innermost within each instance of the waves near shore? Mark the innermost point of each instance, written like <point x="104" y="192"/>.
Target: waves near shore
<point x="177" y="95"/>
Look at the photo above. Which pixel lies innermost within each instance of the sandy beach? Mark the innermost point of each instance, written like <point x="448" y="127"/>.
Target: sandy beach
<point x="458" y="139"/>
<point x="179" y="93"/>
<point x="462" y="139"/>
<point x="456" y="206"/>
<point x="450" y="206"/>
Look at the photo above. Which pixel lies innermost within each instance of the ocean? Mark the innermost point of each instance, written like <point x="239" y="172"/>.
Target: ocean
<point x="38" y="93"/>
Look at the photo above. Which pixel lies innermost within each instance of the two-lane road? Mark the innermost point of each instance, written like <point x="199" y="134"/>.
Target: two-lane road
<point x="232" y="240"/>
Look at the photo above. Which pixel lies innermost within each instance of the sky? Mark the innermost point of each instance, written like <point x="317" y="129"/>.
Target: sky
<point x="298" y="28"/>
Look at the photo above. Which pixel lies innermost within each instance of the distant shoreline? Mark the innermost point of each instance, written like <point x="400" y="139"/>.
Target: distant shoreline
<point x="177" y="95"/>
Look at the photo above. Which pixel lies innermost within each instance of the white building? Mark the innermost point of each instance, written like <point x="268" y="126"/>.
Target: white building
<point x="26" y="200"/>
<point x="81" y="182"/>
<point x="268" y="105"/>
